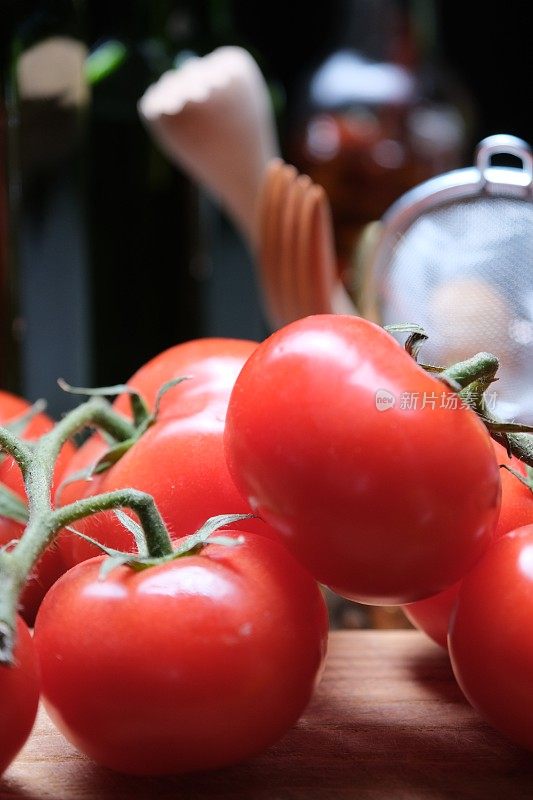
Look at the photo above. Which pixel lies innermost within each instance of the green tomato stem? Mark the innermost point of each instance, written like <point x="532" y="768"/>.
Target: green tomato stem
<point x="519" y="443"/>
<point x="16" y="448"/>
<point x="95" y="411"/>
<point x="481" y="367"/>
<point x="471" y="378"/>
<point x="37" y="465"/>
<point x="158" y="542"/>
<point x="39" y="471"/>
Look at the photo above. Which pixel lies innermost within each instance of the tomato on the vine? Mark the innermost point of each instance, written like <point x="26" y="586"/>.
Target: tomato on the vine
<point x="19" y="696"/>
<point x="433" y="614"/>
<point x="194" y="664"/>
<point x="50" y="566"/>
<point x="489" y="641"/>
<point x="210" y="365"/>
<point x="384" y="499"/>
<point x="179" y="460"/>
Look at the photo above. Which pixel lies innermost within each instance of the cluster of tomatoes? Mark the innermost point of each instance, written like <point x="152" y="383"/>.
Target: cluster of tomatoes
<point x="207" y="659"/>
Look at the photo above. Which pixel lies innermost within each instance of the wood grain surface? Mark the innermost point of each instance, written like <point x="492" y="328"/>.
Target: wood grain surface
<point x="387" y="721"/>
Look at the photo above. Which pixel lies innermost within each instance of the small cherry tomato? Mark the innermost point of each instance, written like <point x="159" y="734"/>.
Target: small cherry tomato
<point x="489" y="641"/>
<point x="180" y="459"/>
<point x="211" y="366"/>
<point x="433" y="614"/>
<point x="195" y="664"/>
<point x="19" y="697"/>
<point x="377" y="478"/>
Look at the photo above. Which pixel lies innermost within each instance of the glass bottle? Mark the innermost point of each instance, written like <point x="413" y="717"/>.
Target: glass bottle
<point x="376" y="116"/>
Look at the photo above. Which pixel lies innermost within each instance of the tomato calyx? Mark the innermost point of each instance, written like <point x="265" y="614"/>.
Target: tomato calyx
<point x="154" y="544"/>
<point x="473" y="375"/>
<point x="415" y="340"/>
<point x="481" y="368"/>
<point x="514" y="436"/>
<point x="143" y="419"/>
<point x="187" y="546"/>
<point x="470" y="379"/>
<point x="139" y="409"/>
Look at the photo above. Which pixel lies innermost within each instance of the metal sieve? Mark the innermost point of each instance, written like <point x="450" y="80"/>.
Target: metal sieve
<point x="456" y="256"/>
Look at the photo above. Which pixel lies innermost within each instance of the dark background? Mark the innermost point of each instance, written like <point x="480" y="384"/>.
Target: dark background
<point x="489" y="51"/>
<point x="486" y="46"/>
<point x="151" y="270"/>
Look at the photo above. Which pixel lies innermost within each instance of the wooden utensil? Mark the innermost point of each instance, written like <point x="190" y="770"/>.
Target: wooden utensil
<point x="213" y="117"/>
<point x="296" y="253"/>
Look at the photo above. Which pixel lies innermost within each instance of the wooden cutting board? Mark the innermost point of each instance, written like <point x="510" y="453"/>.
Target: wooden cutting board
<point x="387" y="722"/>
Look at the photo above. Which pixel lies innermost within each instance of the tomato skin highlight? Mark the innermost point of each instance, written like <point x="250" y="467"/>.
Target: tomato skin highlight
<point x="490" y="636"/>
<point x="19" y="697"/>
<point x="196" y="664"/>
<point x="382" y="506"/>
<point x="433" y="614"/>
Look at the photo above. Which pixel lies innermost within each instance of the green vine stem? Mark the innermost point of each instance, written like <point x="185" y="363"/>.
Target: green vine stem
<point x="516" y="438"/>
<point x="16" y="448"/>
<point x="157" y="539"/>
<point x="37" y="466"/>
<point x="481" y="367"/>
<point x="471" y="378"/>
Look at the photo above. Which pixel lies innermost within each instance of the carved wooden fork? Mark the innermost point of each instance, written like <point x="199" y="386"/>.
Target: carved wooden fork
<point x="296" y="253"/>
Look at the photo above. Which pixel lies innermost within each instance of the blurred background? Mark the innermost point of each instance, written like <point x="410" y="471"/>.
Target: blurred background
<point x="109" y="253"/>
<point x="94" y="221"/>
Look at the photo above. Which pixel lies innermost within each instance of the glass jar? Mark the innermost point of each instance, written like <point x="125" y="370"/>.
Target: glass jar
<point x="376" y="116"/>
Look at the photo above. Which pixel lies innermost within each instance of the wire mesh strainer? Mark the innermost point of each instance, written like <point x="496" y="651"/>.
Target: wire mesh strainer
<point x="456" y="256"/>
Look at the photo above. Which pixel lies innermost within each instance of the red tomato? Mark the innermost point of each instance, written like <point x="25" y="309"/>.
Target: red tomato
<point x="50" y="566"/>
<point x="19" y="697"/>
<point x="517" y="499"/>
<point x="192" y="665"/>
<point x="179" y="460"/>
<point x="489" y="641"/>
<point x="212" y="366"/>
<point x="47" y="570"/>
<point x="433" y="614"/>
<point x="383" y="502"/>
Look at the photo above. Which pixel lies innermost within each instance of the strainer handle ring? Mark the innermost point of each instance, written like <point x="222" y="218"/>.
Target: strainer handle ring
<point x="504" y="143"/>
